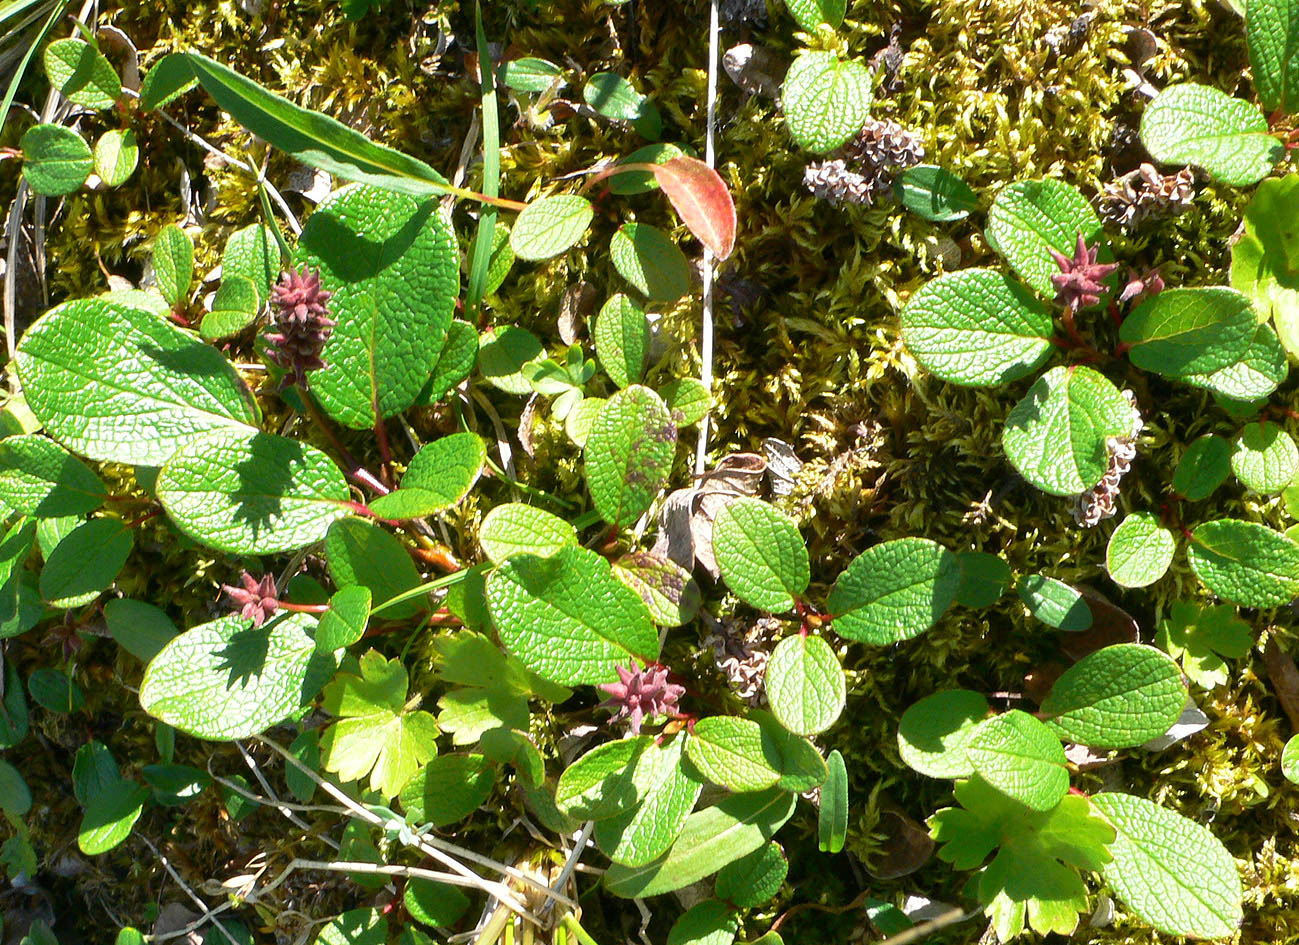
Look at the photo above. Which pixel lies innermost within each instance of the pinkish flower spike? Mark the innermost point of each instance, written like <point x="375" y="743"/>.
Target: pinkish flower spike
<point x="256" y="600"/>
<point x="300" y="322"/>
<point x="640" y="694"/>
<point x="1079" y="283"/>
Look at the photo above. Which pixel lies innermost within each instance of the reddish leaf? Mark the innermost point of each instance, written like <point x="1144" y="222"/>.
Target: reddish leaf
<point x="701" y="200"/>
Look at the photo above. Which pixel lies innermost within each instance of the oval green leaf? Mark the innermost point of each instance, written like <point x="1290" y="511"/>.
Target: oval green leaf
<point x="934" y="193"/>
<point x="235" y="307"/>
<point x="826" y="99"/>
<point x="667" y="589"/>
<point x="761" y="554"/>
<point x="933" y="732"/>
<point x="550" y="225"/>
<point x="1054" y="603"/>
<point x="1203" y="467"/>
<point x="1117" y="697"/>
<point x="82" y="74"/>
<point x="622" y="340"/>
<point x="448" y="789"/>
<point x="1245" y="563"/>
<point x="359" y="552"/>
<point x="1139" y="551"/>
<point x="1189" y="331"/>
<point x="116" y="155"/>
<point x="668" y="788"/>
<point x="599" y="784"/>
<point x="984" y="578"/>
<point x="894" y="591"/>
<point x="173" y="263"/>
<point x="1290" y="759"/>
<point x="1204" y="126"/>
<point x="38" y="477"/>
<point x="86" y="562"/>
<point x="647" y="258"/>
<point x="805" y="684"/>
<point x="754" y="878"/>
<point x="1265" y="457"/>
<point x="811" y="15"/>
<point x="252" y="253"/>
<point x="629" y="454"/>
<point x="56" y="160"/>
<point x="1021" y="758"/>
<point x="832" y="818"/>
<point x="439" y="476"/>
<point x="734" y="753"/>
<point x="515" y="528"/>
<point x="1029" y="218"/>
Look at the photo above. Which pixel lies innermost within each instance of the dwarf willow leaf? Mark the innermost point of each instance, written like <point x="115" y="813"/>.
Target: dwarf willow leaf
<point x="1204" y="126"/>
<point x="528" y="74"/>
<point x="687" y="400"/>
<point x="253" y="254"/>
<point x="119" y="384"/>
<point x="711" y="922"/>
<point x="668" y="787"/>
<point x="826" y="99"/>
<point x="622" y="340"/>
<point x="56" y="160"/>
<point x="173" y="263"/>
<point x="832" y="818"/>
<point x="798" y="760"/>
<point x="1140" y="550"/>
<point x="1189" y="331"/>
<point x="515" y="528"/>
<point x="628" y="183"/>
<point x="139" y="628"/>
<point x="15" y="795"/>
<point x="1029" y="218"/>
<point x="454" y="364"/>
<point x="1021" y="758"/>
<point x="54" y="691"/>
<point x="812" y="14"/>
<point x="1290" y="759"/>
<point x="984" y="578"/>
<point x="805" y="684"/>
<point x="435" y="904"/>
<point x="38" y="477"/>
<point x="359" y="552"/>
<point x="550" y="225"/>
<point x="109" y="817"/>
<point x="1245" y="563"/>
<point x="1056" y="436"/>
<point x="82" y="74"/>
<point x="354" y="927"/>
<point x="933" y="732"/>
<point x="629" y="453"/>
<point x="15" y="548"/>
<point x="568" y="618"/>
<point x="614" y="97"/>
<point x="252" y="493"/>
<point x="1253" y="376"/>
<point x="235" y="307"/>
<point x="1169" y="870"/>
<point x="391" y="264"/>
<point x="1272" y="36"/>
<point x="1265" y="457"/>
<point x="668" y="590"/>
<point x="439" y="476"/>
<point x="600" y="784"/>
<point x="894" y="591"/>
<point x="1203" y="467"/>
<point x="754" y="878"/>
<point x="314" y="139"/>
<point x="116" y="155"/>
<point x="1054" y="603"/>
<point x="977" y="328"/>
<point x="448" y="789"/>
<point x="650" y="261"/>
<point x="761" y="554"/>
<point x="711" y="839"/>
<point x="1116" y="697"/>
<point x="934" y="193"/>
<point x="86" y="562"/>
<point x="168" y="79"/>
<point x="345" y="621"/>
<point x="734" y="753"/>
<point x="503" y="352"/>
<point x="226" y="679"/>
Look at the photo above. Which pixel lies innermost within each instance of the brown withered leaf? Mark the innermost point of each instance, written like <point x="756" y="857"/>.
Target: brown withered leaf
<point x="1284" y="675"/>
<point x="1111" y="624"/>
<point x="906" y="847"/>
<point x="575" y="306"/>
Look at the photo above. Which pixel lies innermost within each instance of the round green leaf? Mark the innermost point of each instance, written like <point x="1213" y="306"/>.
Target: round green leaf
<point x="753" y="879"/>
<point x="225" y="680"/>
<point x="168" y="79"/>
<point x="711" y="838"/>
<point x="1116" y="697"/>
<point x="1272" y="35"/>
<point x="1021" y="758"/>
<point x="984" y="578"/>
<point x="139" y="628"/>
<point x="1245" y="563"/>
<point x="761" y="554"/>
<point x="668" y="789"/>
<point x="116" y="155"/>
<point x="528" y="74"/>
<point x="515" y="528"/>
<point x="733" y="753"/>
<point x="54" y="691"/>
<point x="934" y="193"/>
<point x="1054" y="603"/>
<point x="628" y="183"/>
<point x="1140" y="551"/>
<point x="1262" y="259"/>
<point x="1029" y="218"/>
<point x="1189" y="331"/>
<point x="1204" y="126"/>
<point x="614" y="97"/>
<point x="1169" y="870"/>
<point x="392" y="264"/>
<point x="629" y="454"/>
<point x="622" y="340"/>
<point x="805" y="684"/>
<point x="826" y="99"/>
<point x="1203" y="467"/>
<point x="568" y="618"/>
<point x="1265" y="457"/>
<point x="235" y="307"/>
<point x="667" y="589"/>
<point x="252" y="494"/>
<point x="121" y="385"/>
<point x="977" y="328"/>
<point x="687" y="399"/>
<point x="798" y="760"/>
<point x="933" y="733"/>
<point x="359" y="552"/>
<point x="894" y="591"/>
<point x="435" y="904"/>
<point x="448" y="789"/>
<point x="439" y="476"/>
<point x="82" y="74"/>
<point x="1290" y="759"/>
<point x="503" y="352"/>
<point x="56" y="160"/>
<point x="38" y="477"/>
<point x="813" y="14"/>
<point x="15" y="795"/>
<point x="252" y="253"/>
<point x="345" y="621"/>
<point x="354" y="927"/>
<point x="173" y="263"/>
<point x="1056" y="436"/>
<point x="550" y="225"/>
<point x="650" y="261"/>
<point x="86" y="562"/>
<point x="599" y="784"/>
<point x="711" y="922"/>
<point x="110" y="816"/>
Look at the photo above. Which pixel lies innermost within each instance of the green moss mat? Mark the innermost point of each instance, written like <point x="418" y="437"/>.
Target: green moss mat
<point x="817" y="361"/>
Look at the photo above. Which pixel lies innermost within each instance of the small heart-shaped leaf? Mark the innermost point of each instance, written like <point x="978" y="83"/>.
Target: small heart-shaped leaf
<point x="826" y="99"/>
